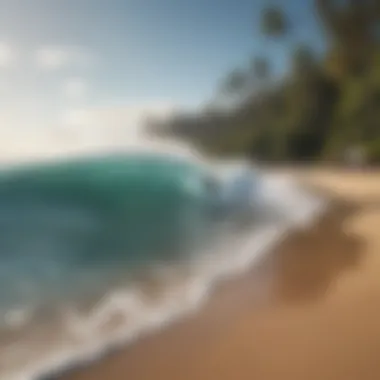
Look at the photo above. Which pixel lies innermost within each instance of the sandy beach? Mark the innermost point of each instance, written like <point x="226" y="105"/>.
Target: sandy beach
<point x="309" y="310"/>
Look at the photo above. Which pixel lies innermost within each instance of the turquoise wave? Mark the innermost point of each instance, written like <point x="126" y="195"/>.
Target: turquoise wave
<point x="65" y="224"/>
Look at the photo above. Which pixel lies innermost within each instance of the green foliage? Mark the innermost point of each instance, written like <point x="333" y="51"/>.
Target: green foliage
<point x="303" y="60"/>
<point x="373" y="151"/>
<point x="260" y="68"/>
<point x="274" y="22"/>
<point x="321" y="107"/>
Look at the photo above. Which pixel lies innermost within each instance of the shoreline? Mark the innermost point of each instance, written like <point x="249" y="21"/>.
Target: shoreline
<point x="185" y="349"/>
<point x="276" y="216"/>
<point x="309" y="309"/>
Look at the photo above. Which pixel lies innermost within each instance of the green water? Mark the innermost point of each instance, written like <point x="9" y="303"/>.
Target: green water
<point x="98" y="215"/>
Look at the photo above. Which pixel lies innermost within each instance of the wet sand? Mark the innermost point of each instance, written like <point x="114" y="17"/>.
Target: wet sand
<point x="309" y="310"/>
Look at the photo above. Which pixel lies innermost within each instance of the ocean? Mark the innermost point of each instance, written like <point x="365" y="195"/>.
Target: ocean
<point x="97" y="250"/>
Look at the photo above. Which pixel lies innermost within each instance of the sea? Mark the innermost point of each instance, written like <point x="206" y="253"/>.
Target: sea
<point x="99" y="249"/>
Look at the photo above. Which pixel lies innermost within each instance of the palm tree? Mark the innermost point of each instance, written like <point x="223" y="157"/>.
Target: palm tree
<point x="260" y="68"/>
<point x="273" y="22"/>
<point x="353" y="29"/>
<point x="303" y="59"/>
<point x="234" y="85"/>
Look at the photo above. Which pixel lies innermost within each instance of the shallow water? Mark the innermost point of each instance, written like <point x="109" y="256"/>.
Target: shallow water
<point x="96" y="251"/>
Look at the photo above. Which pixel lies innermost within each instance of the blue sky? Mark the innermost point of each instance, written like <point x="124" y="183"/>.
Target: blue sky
<point x="57" y="56"/>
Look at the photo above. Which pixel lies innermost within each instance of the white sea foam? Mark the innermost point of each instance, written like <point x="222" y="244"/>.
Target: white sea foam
<point x="280" y="203"/>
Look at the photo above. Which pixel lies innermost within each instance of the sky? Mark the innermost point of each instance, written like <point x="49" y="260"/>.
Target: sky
<point x="70" y="63"/>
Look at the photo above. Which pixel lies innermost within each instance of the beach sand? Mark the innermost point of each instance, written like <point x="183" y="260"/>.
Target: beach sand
<point x="309" y="310"/>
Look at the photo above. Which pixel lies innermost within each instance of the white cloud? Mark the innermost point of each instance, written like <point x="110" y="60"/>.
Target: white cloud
<point x="76" y="118"/>
<point x="75" y="88"/>
<point x="120" y="128"/>
<point x="115" y="124"/>
<point x="7" y="55"/>
<point x="58" y="57"/>
<point x="82" y="131"/>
